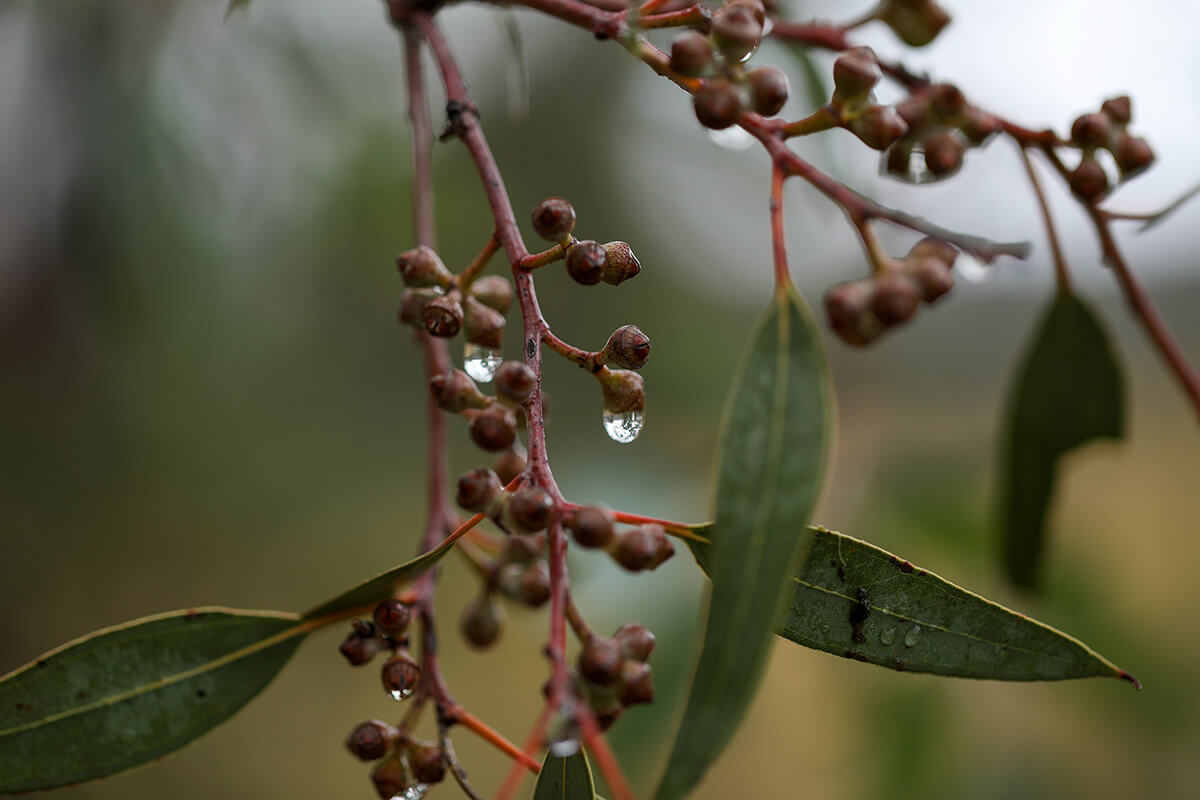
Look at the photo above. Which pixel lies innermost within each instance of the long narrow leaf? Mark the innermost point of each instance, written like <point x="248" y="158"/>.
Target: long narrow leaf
<point x="565" y="778"/>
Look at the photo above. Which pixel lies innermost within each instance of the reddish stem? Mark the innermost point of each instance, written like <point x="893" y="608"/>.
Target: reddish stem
<point x="778" y="245"/>
<point x="533" y="744"/>
<point x="1060" y="261"/>
<point x="593" y="739"/>
<point x="465" y="718"/>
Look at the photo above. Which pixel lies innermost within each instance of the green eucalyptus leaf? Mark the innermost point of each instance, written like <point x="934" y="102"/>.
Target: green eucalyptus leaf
<point x="772" y="452"/>
<point x="567" y="778"/>
<point x="1069" y="392"/>
<point x="913" y="620"/>
<point x="123" y="696"/>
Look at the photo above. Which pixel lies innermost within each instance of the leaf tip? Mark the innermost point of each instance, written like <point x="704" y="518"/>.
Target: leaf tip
<point x="1125" y="676"/>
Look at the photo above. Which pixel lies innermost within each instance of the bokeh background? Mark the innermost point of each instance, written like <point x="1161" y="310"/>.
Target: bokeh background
<point x="204" y="397"/>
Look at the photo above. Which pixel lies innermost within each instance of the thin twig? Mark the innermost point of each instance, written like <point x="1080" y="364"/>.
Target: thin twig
<point x="1060" y="261"/>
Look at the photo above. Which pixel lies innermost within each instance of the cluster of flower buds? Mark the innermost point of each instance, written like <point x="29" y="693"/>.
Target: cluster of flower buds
<point x="861" y="311"/>
<point x="404" y="763"/>
<point x="588" y="262"/>
<point x="728" y="88"/>
<point x="385" y="631"/>
<point x="942" y="125"/>
<point x="493" y="420"/>
<point x="855" y="74"/>
<point x="612" y="673"/>
<point x="916" y="22"/>
<point x="639" y="548"/>
<point x="1107" y="129"/>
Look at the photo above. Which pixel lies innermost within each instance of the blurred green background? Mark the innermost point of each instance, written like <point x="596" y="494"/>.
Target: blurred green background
<point x="204" y="397"/>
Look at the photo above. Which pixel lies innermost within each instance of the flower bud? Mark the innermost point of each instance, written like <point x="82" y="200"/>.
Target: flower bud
<point x="1091" y="130"/>
<point x="480" y="622"/>
<point x="509" y="465"/>
<point x="443" y="316"/>
<point x="553" y="219"/>
<point x="392" y="617"/>
<point x="946" y="100"/>
<point x="855" y="73"/>
<point x="358" y="649"/>
<point x="534" y="585"/>
<point x="1118" y="109"/>
<point x="494" y="428"/>
<point x="717" y="104"/>
<point x="768" y="90"/>
<point x="691" y="54"/>
<point x="586" y="261"/>
<point x="944" y="151"/>
<point x="390" y="778"/>
<point x="1133" y="154"/>
<point x="933" y="277"/>
<point x="591" y="527"/>
<point x="637" y="683"/>
<point x="736" y="31"/>
<point x="627" y="348"/>
<point x="898" y="159"/>
<point x="895" y="299"/>
<point x="477" y="490"/>
<point x="978" y="125"/>
<point x="916" y="22"/>
<point x="421" y="267"/>
<point x="600" y="661"/>
<point x="508" y="580"/>
<point x="915" y="111"/>
<point x="847" y="307"/>
<point x="642" y="548"/>
<point x="531" y="509"/>
<point x="623" y="390"/>
<point x="520" y="550"/>
<point x="371" y="740"/>
<point x="454" y="391"/>
<point x="493" y="291"/>
<point x="635" y="640"/>
<point x="937" y="249"/>
<point x="413" y="302"/>
<point x="400" y="676"/>
<point x="514" y="381"/>
<point x="482" y="325"/>
<point x="878" y="127"/>
<point x="620" y="263"/>
<point x="426" y="762"/>
<point x="1088" y="180"/>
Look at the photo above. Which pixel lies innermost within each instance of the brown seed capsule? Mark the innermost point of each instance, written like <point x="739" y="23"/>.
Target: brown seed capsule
<point x="1118" y="109"/>
<point x="412" y="303"/>
<point x="586" y="261"/>
<point x="421" y="267"/>
<point x="494" y="428"/>
<point x="482" y="325"/>
<point x="1091" y="130"/>
<point x="847" y="307"/>
<point x="768" y="90"/>
<point x="916" y="23"/>
<point x="978" y="126"/>
<point x="1133" y="154"/>
<point x="591" y="527"/>
<point x="855" y="73"/>
<point x="426" y="762"/>
<point x="878" y="127"/>
<point x="620" y="263"/>
<point x="637" y="683"/>
<point x="691" y="54"/>
<point x="454" y="391"/>
<point x="358" y="649"/>
<point x="736" y="31"/>
<point x="635" y="640"/>
<point x="480" y="622"/>
<point x="627" y="348"/>
<point x="553" y="219"/>
<point x="944" y="151"/>
<point x="494" y="292"/>
<point x="390" y="778"/>
<point x="509" y="465"/>
<point x="642" y="548"/>
<point x="531" y="509"/>
<point x="392" y="617"/>
<point x="443" y="316"/>
<point x="514" y="381"/>
<point x="717" y="104"/>
<point x="600" y="661"/>
<point x="534" y="585"/>
<point x="371" y="740"/>
<point x="933" y="277"/>
<point x="1088" y="180"/>
<point x="895" y="299"/>
<point x="400" y="676"/>
<point x="477" y="490"/>
<point x="930" y="247"/>
<point x="623" y="390"/>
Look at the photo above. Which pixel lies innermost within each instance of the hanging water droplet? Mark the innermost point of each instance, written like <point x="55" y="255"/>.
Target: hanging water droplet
<point x="887" y="636"/>
<point x="918" y="171"/>
<point x="414" y="792"/>
<point x="481" y="362"/>
<point x="731" y="138"/>
<point x="913" y="636"/>
<point x="768" y="26"/>
<point x="623" y="427"/>
<point x="565" y="748"/>
<point x="401" y="694"/>
<point x="971" y="269"/>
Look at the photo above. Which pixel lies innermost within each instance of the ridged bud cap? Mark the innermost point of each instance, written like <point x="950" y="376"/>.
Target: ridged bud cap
<point x="422" y="267"/>
<point x="916" y="22"/>
<point x="878" y="127"/>
<point x="358" y="649"/>
<point x="642" y="548"/>
<point x="944" y="151"/>
<point x="627" y="348"/>
<point x="1119" y="109"/>
<point x="554" y="219"/>
<point x="847" y="307"/>
<point x="946" y="100"/>
<point x="509" y="465"/>
<point x="620" y="264"/>
<point x="534" y="585"/>
<point x="930" y="247"/>
<point x="933" y="277"/>
<point x="978" y="126"/>
<point x="443" y="316"/>
<point x="1091" y="130"/>
<point x="412" y="303"/>
<point x="454" y="391"/>
<point x="736" y="31"/>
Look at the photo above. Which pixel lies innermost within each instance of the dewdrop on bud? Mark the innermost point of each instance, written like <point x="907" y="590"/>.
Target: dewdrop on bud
<point x="624" y="404"/>
<point x="620" y="264"/>
<point x="855" y="73"/>
<point x="515" y="382"/>
<point x="717" y="104"/>
<point x="454" y="391"/>
<point x="371" y="740"/>
<point x="400" y="676"/>
<point x="421" y="267"/>
<point x="553" y="219"/>
<point x="737" y="32"/>
<point x="586" y="262"/>
<point x="443" y="316"/>
<point x="627" y="348"/>
<point x="494" y="292"/>
<point x="691" y="54"/>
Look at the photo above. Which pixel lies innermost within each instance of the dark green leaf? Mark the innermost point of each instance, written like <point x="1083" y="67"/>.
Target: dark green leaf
<point x="917" y="621"/>
<point x="771" y="456"/>
<point x="567" y="778"/>
<point x="1068" y="393"/>
<point x="126" y="695"/>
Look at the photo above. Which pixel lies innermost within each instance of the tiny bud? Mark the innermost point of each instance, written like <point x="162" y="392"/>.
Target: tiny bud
<point x="944" y="151"/>
<point x="643" y="548"/>
<point x="509" y="465"/>
<point x="508" y="580"/>
<point x="898" y="158"/>
<point x="358" y="649"/>
<point x="477" y="490"/>
<point x="1091" y="130"/>
<point x="553" y="219"/>
<point x="717" y="104"/>
<point x="371" y="740"/>
<point x="1133" y="154"/>
<point x="392" y="617"/>
<point x="531" y="509"/>
<point x="520" y="550"/>
<point x="591" y="527"/>
<point x="916" y="23"/>
<point x="1088" y="180"/>
<point x="736" y="31"/>
<point x="1118" y="109"/>
<point x="768" y="90"/>
<point x="627" y="348"/>
<point x="623" y="390"/>
<point x="620" y="263"/>
<point x="978" y="126"/>
<point x="482" y="325"/>
<point x="855" y="73"/>
<point x="494" y="428"/>
<point x="413" y="302"/>
<point x="635" y="640"/>
<point x="400" y="676"/>
<point x="421" y="267"/>
<point x="637" y="683"/>
<point x="946" y="100"/>
<point x="586" y="261"/>
<point x="454" y="391"/>
<point x="514" y="381"/>
<point x="426" y="762"/>
<point x="480" y="622"/>
<point x="914" y="110"/>
<point x="933" y="277"/>
<point x="878" y="127"/>
<point x="937" y="249"/>
<point x="691" y="55"/>
<point x="848" y="311"/>
<point x="600" y="661"/>
<point x="390" y="778"/>
<point x="534" y="585"/>
<point x="494" y="292"/>
<point x="442" y="316"/>
<point x="895" y="299"/>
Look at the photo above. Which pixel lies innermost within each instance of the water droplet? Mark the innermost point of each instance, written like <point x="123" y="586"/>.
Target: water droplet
<point x="887" y="636"/>
<point x="565" y="748"/>
<point x="481" y="362"/>
<point x="768" y="26"/>
<point x="913" y="636"/>
<point x="917" y="171"/>
<point x="971" y="269"/>
<point x="625" y="427"/>
<point x="401" y="694"/>
<point x="414" y="792"/>
<point x="731" y="138"/>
